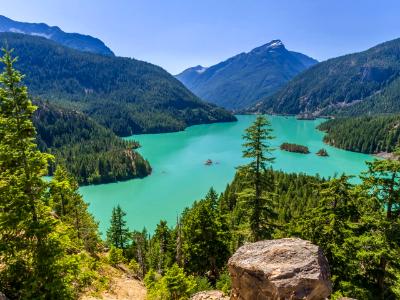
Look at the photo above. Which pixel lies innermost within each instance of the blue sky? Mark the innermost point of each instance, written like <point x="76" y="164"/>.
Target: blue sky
<point x="176" y="34"/>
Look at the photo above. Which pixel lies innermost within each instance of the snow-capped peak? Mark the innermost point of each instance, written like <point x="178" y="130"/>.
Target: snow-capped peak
<point x="275" y="44"/>
<point x="269" y="47"/>
<point x="200" y="69"/>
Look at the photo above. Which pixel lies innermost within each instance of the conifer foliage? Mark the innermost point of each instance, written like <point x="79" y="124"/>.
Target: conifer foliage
<point x="258" y="149"/>
<point x="47" y="237"/>
<point x="30" y="250"/>
<point x="118" y="233"/>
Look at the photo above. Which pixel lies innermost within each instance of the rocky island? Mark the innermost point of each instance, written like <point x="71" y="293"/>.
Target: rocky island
<point x="295" y="148"/>
<point x="322" y="152"/>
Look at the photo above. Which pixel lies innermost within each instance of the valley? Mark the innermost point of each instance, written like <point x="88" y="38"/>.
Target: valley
<point x="180" y="177"/>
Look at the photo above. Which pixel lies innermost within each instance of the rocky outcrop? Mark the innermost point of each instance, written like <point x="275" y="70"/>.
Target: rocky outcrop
<point x="278" y="270"/>
<point x="209" y="295"/>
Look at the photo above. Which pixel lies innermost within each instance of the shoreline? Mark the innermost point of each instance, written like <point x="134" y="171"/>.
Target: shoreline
<point x="386" y="155"/>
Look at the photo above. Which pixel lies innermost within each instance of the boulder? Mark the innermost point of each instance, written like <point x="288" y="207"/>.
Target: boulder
<point x="209" y="295"/>
<point x="280" y="269"/>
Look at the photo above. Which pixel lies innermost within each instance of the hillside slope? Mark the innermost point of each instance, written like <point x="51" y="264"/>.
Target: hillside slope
<point x="76" y="41"/>
<point x="354" y="84"/>
<point x="126" y="95"/>
<point x="247" y="77"/>
<point x="92" y="153"/>
<point x="366" y="134"/>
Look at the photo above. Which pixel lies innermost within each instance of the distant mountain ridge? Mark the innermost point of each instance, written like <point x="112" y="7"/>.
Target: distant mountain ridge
<point x="362" y="83"/>
<point x="125" y="95"/>
<point x="247" y="77"/>
<point x="76" y="41"/>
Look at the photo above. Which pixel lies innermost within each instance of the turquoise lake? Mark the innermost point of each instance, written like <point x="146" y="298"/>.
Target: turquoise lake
<point x="180" y="177"/>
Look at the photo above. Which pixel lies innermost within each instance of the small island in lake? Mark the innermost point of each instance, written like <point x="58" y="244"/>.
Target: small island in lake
<point x="322" y="152"/>
<point x="295" y="148"/>
<point x="208" y="162"/>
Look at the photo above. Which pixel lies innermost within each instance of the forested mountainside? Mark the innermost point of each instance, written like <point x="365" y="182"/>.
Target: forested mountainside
<point x="126" y="95"/>
<point x="359" y="83"/>
<point x="89" y="151"/>
<point x="367" y="134"/>
<point x="245" y="78"/>
<point x="76" y="41"/>
<point x="384" y="101"/>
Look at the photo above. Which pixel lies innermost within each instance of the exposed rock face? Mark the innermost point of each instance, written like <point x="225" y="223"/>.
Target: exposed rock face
<point x="209" y="295"/>
<point x="279" y="270"/>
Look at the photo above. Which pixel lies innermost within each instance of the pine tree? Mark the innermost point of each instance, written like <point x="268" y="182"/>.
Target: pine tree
<point x="69" y="206"/>
<point x="30" y="247"/>
<point x="178" y="285"/>
<point x="118" y="233"/>
<point x="162" y="237"/>
<point x="174" y="285"/>
<point x="140" y="249"/>
<point x="382" y="221"/>
<point x="258" y="149"/>
<point x="205" y="237"/>
<point x="178" y="247"/>
<point x="330" y="223"/>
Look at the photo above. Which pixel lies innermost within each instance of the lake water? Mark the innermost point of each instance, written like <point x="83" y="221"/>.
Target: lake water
<point x="180" y="177"/>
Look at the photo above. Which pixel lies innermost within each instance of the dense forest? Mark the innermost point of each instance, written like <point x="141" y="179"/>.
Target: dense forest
<point x="50" y="247"/>
<point x="123" y="94"/>
<point x="369" y="134"/>
<point x="342" y="85"/>
<point x="89" y="151"/>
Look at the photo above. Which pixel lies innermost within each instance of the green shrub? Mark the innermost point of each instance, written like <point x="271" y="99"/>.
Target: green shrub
<point x="224" y="283"/>
<point x="115" y="256"/>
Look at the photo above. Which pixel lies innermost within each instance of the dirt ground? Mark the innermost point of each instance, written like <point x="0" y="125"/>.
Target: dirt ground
<point x="122" y="288"/>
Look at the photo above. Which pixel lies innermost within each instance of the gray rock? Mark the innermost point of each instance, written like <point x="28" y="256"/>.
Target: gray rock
<point x="278" y="270"/>
<point x="209" y="295"/>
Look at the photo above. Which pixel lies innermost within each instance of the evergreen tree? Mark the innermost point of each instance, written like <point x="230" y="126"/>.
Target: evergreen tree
<point x="174" y="285"/>
<point x="330" y="223"/>
<point x="162" y="237"/>
<point x="118" y="233"/>
<point x="115" y="256"/>
<point x="139" y="248"/>
<point x="31" y="252"/>
<point x="69" y="206"/>
<point x="382" y="227"/>
<point x="258" y="149"/>
<point x="205" y="237"/>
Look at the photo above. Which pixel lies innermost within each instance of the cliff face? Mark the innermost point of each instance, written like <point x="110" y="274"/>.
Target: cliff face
<point x="279" y="269"/>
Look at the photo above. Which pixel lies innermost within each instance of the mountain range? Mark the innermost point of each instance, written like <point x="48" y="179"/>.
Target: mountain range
<point x="244" y="79"/>
<point x="361" y="83"/>
<point x="76" y="41"/>
<point x="125" y="95"/>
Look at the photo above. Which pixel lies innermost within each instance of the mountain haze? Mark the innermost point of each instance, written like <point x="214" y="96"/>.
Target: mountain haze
<point x="76" y="41"/>
<point x="247" y="77"/>
<point x="367" y="82"/>
<point x="126" y="95"/>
